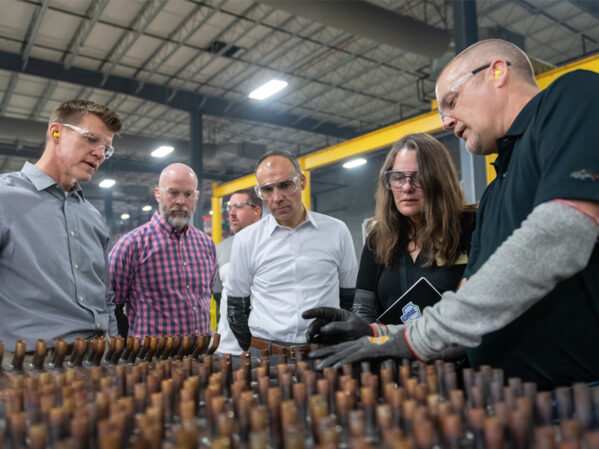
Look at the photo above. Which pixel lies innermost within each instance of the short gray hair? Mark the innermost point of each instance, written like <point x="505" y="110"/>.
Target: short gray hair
<point x="290" y="157"/>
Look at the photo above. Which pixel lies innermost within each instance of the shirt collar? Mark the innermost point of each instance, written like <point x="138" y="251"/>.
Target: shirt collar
<point x="165" y="227"/>
<point x="273" y="224"/>
<point x="505" y="144"/>
<point x="523" y="118"/>
<point x="41" y="180"/>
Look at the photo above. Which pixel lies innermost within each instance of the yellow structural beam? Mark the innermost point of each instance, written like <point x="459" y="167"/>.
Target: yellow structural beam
<point x="306" y="193"/>
<point x="232" y="186"/>
<point x="546" y="78"/>
<point x="425" y="123"/>
<point x="217" y="219"/>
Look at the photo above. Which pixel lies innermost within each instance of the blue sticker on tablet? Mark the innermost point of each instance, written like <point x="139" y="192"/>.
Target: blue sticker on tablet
<point x="410" y="312"/>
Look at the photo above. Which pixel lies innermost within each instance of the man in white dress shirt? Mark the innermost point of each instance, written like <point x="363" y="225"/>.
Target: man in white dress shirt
<point x="245" y="208"/>
<point x="288" y="262"/>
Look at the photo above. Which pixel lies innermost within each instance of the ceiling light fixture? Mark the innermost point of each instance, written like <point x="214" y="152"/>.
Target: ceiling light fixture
<point x="147" y="208"/>
<point x="107" y="183"/>
<point x="354" y="163"/>
<point x="162" y="151"/>
<point x="267" y="89"/>
<point x="125" y="216"/>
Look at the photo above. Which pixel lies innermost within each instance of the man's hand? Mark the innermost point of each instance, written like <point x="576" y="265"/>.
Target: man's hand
<point x="334" y="325"/>
<point x="366" y="348"/>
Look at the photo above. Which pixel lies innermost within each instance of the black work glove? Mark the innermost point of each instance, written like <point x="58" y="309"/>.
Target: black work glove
<point x="334" y="325"/>
<point x="122" y="321"/>
<point x="366" y="348"/>
<point x="346" y="297"/>
<point x="238" y="311"/>
<point x="364" y="305"/>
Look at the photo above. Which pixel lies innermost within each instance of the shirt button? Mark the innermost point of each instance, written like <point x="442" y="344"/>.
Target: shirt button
<point x="187" y="286"/>
<point x="98" y="325"/>
<point x="194" y="307"/>
<point x="73" y="233"/>
<point x="76" y="266"/>
<point x="196" y="331"/>
<point x="184" y="264"/>
<point x="81" y="298"/>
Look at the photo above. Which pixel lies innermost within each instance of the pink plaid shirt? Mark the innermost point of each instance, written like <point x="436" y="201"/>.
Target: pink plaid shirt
<point x="165" y="277"/>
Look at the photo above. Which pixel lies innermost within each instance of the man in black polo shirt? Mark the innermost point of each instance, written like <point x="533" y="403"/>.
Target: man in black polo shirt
<point x="531" y="302"/>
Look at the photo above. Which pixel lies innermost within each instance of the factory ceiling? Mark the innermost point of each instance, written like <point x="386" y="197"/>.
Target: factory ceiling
<point x="352" y="67"/>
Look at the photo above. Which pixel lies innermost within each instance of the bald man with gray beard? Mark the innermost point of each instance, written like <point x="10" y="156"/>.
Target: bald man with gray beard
<point x="164" y="270"/>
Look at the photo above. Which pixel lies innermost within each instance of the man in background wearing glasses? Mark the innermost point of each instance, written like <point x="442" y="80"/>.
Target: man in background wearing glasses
<point x="53" y="242"/>
<point x="163" y="271"/>
<point x="245" y="208"/>
<point x="290" y="261"/>
<point x="531" y="302"/>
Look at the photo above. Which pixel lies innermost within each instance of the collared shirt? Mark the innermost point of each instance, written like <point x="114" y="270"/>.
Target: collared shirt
<point x="287" y="271"/>
<point x="549" y="152"/>
<point x="165" y="277"/>
<point x="53" y="270"/>
<point x="228" y="343"/>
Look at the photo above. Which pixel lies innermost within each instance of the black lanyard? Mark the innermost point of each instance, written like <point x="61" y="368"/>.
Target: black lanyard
<point x="403" y="272"/>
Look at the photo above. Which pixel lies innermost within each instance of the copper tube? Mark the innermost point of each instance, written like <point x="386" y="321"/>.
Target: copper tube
<point x="258" y="421"/>
<point x="19" y="356"/>
<point x="214" y="342"/>
<point x="184" y="346"/>
<point x="39" y="356"/>
<point x="202" y="342"/>
<point x="79" y="351"/>
<point x="134" y="350"/>
<point x="225" y="424"/>
<point x="153" y="347"/>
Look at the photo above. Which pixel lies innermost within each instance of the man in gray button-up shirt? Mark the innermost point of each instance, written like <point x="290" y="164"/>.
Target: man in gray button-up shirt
<point x="53" y="242"/>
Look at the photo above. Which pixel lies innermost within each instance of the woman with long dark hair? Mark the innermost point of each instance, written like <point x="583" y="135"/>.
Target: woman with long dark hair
<point x="421" y="228"/>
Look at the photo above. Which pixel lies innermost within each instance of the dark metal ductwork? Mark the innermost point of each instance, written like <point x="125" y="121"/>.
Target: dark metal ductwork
<point x="372" y="22"/>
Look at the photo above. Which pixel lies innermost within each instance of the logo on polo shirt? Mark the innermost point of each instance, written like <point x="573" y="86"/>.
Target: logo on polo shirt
<point x="410" y="312"/>
<point x="584" y="175"/>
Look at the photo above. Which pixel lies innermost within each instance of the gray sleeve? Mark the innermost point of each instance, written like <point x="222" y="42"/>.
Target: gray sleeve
<point x="554" y="243"/>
